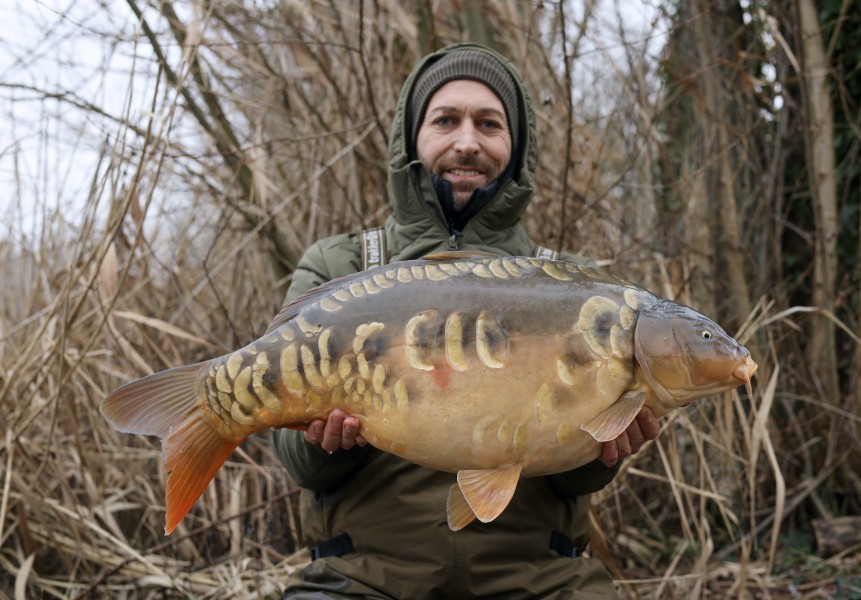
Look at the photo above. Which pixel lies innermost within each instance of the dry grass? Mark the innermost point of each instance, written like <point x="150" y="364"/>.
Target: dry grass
<point x="176" y="258"/>
<point x="714" y="508"/>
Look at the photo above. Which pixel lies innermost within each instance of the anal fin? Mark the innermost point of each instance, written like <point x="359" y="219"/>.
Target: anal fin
<point x="610" y="423"/>
<point x="458" y="512"/>
<point x="488" y="491"/>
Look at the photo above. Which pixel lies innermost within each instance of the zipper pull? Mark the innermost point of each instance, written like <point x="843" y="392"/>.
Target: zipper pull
<point x="454" y="240"/>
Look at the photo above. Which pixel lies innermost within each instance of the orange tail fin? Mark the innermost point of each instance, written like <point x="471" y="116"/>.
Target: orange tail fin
<point x="166" y="404"/>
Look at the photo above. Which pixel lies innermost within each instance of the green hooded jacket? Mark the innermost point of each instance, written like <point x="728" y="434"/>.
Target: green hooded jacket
<point x="394" y="511"/>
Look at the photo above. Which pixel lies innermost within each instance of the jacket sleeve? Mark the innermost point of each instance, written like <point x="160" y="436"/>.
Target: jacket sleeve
<point x="587" y="479"/>
<point x="308" y="464"/>
<point x="310" y="272"/>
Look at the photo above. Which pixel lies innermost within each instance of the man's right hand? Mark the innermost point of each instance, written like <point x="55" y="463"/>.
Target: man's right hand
<point x="339" y="430"/>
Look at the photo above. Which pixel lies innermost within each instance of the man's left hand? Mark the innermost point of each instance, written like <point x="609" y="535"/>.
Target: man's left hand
<point x="645" y="427"/>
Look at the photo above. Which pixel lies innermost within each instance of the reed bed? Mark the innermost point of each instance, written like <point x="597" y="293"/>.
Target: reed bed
<point x="712" y="508"/>
<point x="184" y="245"/>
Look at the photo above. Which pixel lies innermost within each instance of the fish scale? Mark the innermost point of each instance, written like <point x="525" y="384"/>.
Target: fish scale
<point x="512" y="366"/>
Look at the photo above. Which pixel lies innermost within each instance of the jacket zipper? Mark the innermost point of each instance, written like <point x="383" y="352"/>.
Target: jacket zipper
<point x="454" y="240"/>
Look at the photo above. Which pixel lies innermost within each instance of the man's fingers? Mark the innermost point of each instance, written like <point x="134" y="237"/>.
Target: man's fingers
<point x="333" y="432"/>
<point x="614" y="450"/>
<point x="349" y="433"/>
<point x="339" y="430"/>
<point x="635" y="436"/>
<point x="609" y="453"/>
<point x="314" y="433"/>
<point x="624" y="445"/>
<point x="644" y="428"/>
<point x="649" y="424"/>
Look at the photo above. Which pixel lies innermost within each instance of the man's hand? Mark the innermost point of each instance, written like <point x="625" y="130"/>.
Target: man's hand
<point x="644" y="427"/>
<point x="338" y="431"/>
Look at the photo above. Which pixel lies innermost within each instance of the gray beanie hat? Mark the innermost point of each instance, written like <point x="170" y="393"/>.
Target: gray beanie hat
<point x="465" y="64"/>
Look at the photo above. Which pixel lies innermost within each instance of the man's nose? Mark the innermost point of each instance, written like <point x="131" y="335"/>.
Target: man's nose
<point x="466" y="141"/>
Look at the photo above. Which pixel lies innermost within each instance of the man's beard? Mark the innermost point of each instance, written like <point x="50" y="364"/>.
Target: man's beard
<point x="462" y="191"/>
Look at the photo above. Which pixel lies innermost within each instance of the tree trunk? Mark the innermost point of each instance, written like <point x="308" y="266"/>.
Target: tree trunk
<point x="714" y="116"/>
<point x="478" y="29"/>
<point x="822" y="353"/>
<point x="855" y="389"/>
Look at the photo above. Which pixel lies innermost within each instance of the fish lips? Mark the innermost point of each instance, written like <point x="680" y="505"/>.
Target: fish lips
<point x="744" y="372"/>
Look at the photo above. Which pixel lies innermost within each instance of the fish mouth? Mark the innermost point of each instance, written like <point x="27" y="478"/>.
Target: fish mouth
<point x="745" y="370"/>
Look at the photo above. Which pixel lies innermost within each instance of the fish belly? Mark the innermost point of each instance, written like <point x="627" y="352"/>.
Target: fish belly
<point x="520" y="412"/>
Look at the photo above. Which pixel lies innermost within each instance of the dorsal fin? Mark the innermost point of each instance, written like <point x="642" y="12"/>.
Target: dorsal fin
<point x="309" y="297"/>
<point x="459" y="255"/>
<point x="292" y="309"/>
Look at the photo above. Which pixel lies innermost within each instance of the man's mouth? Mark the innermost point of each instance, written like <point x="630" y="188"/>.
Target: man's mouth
<point x="464" y="173"/>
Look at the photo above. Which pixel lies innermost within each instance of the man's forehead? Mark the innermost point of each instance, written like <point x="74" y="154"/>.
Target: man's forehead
<point x="460" y="94"/>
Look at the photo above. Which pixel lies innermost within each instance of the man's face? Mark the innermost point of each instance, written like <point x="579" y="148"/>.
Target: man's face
<point x="464" y="137"/>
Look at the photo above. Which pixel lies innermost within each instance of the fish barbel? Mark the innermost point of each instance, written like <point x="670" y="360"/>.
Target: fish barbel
<point x="495" y="368"/>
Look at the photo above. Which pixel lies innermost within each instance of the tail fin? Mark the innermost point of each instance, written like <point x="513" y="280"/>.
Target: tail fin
<point x="166" y="405"/>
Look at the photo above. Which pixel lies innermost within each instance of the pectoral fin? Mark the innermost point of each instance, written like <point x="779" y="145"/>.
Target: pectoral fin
<point x="610" y="423"/>
<point x="458" y="512"/>
<point x="488" y="491"/>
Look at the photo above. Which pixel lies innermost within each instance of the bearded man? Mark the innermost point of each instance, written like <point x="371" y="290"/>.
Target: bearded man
<point x="462" y="158"/>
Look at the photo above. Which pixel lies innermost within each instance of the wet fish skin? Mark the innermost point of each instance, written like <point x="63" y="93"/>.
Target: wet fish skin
<point x="513" y="366"/>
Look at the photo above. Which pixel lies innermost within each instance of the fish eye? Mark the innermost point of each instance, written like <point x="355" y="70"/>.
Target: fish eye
<point x="706" y="334"/>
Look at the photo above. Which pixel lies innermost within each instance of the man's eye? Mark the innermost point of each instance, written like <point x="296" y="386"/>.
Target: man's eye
<point x="443" y="121"/>
<point x="491" y="125"/>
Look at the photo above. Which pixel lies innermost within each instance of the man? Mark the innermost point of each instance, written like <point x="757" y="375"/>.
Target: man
<point x="461" y="162"/>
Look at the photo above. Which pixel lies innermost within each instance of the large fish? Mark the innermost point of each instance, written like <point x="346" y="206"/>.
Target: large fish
<point x="496" y="368"/>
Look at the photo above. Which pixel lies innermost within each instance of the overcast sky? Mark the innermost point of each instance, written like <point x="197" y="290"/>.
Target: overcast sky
<point x="89" y="52"/>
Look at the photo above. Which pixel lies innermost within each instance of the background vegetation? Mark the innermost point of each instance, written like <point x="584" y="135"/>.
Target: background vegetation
<point x="165" y="164"/>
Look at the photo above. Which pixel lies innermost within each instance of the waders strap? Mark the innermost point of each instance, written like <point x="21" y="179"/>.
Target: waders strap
<point x="375" y="254"/>
<point x="338" y="545"/>
<point x="373" y="248"/>
<point x="563" y="545"/>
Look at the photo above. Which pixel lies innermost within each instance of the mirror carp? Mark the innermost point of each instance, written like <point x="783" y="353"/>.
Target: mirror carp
<point x="494" y="368"/>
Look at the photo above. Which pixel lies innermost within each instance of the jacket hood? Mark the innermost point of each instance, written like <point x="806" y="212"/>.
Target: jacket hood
<point x="417" y="225"/>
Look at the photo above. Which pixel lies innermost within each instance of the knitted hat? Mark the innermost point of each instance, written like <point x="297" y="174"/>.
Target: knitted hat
<point x="465" y="64"/>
